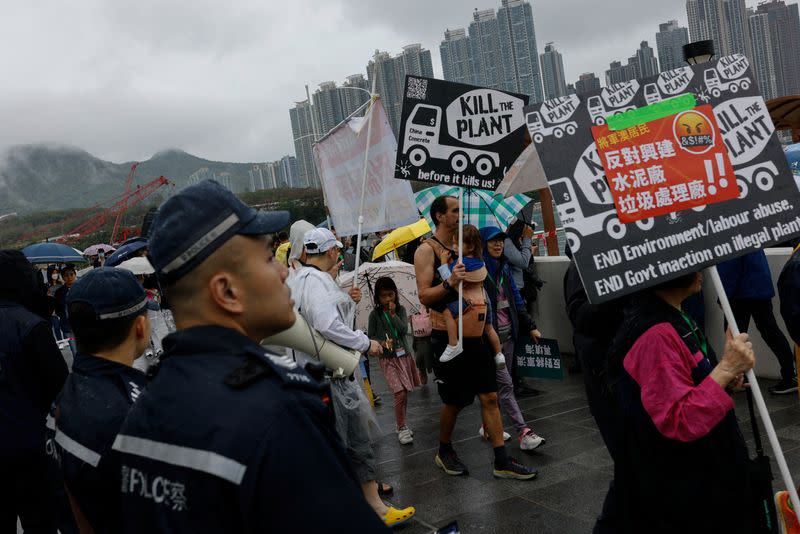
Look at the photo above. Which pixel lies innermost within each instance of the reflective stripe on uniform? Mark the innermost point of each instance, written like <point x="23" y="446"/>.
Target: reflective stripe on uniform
<point x="187" y="255"/>
<point x="205" y="461"/>
<point x="77" y="450"/>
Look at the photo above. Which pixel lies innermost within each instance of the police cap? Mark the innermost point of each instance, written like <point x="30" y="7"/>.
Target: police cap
<point x="191" y="225"/>
<point x="111" y="293"/>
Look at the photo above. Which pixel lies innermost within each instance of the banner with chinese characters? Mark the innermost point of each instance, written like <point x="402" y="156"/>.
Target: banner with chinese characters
<point x="456" y="134"/>
<point x="665" y="195"/>
<point x="339" y="157"/>
<point x="538" y="360"/>
<point x="666" y="165"/>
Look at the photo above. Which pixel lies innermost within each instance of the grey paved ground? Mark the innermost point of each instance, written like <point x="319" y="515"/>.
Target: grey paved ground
<point x="574" y="467"/>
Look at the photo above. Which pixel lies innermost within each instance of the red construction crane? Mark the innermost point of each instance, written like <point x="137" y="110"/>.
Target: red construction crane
<point x="89" y="215"/>
<point x="128" y="200"/>
<point x="121" y="212"/>
<point x="47" y="230"/>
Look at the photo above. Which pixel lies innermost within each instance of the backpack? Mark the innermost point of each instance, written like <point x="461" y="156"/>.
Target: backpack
<point x="475" y="308"/>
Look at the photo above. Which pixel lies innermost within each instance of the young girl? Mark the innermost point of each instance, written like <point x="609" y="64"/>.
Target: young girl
<point x="477" y="310"/>
<point x="388" y="325"/>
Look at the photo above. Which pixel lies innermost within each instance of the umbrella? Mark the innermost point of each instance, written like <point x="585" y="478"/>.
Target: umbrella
<point x="480" y="207"/>
<point x="125" y="252"/>
<point x="400" y="236"/>
<point x="94" y="249"/>
<point x="52" y="253"/>
<point x="404" y="277"/>
<point x="137" y="265"/>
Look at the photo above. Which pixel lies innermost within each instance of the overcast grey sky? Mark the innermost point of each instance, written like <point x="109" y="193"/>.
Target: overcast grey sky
<point x="124" y="79"/>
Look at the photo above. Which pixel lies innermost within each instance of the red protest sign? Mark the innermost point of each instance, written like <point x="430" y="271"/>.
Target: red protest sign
<point x="666" y="165"/>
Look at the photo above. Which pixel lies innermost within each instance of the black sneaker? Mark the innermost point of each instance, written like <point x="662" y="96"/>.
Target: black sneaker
<point x="784" y="387"/>
<point x="450" y="463"/>
<point x="514" y="469"/>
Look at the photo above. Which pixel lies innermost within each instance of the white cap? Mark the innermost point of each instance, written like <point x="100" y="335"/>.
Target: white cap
<point x="320" y="240"/>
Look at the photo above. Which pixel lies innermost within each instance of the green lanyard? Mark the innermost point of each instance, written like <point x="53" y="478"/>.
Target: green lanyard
<point x="498" y="287"/>
<point x="698" y="335"/>
<point x="395" y="335"/>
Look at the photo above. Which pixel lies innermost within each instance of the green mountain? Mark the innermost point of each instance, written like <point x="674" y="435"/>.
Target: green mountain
<point x="49" y="177"/>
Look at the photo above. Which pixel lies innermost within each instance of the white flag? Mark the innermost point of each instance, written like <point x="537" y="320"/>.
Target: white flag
<point x="388" y="203"/>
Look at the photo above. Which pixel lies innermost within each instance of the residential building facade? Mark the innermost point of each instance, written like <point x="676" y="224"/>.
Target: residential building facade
<point x="518" y="49"/>
<point x="390" y="74"/>
<point x="669" y="41"/>
<point x="456" y="57"/>
<point x="328" y="107"/>
<point x="761" y="56"/>
<point x="304" y="134"/>
<point x="587" y="82"/>
<point x="484" y="42"/>
<point x="498" y="51"/>
<point x="354" y="93"/>
<point x="555" y="83"/>
<point x="784" y="30"/>
<point x="645" y="61"/>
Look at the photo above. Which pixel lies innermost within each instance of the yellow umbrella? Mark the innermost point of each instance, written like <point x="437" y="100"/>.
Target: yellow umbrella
<point x="400" y="236"/>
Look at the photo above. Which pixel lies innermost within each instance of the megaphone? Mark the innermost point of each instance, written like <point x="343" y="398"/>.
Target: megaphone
<point x="303" y="337"/>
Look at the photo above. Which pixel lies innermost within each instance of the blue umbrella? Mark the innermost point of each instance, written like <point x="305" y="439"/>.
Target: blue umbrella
<point x="52" y="253"/>
<point x="126" y="251"/>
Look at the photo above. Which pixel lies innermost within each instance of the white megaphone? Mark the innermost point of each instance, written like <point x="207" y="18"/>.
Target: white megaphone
<point x="302" y="337"/>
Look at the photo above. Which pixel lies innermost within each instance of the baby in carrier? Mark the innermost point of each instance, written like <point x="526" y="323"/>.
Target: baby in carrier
<point x="477" y="311"/>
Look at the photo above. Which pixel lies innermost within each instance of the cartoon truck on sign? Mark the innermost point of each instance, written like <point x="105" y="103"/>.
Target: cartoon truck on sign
<point x="597" y="216"/>
<point x="553" y="118"/>
<point x="612" y="100"/>
<point x="598" y="111"/>
<point x="761" y="174"/>
<point x="538" y="129"/>
<point x="421" y="141"/>
<point x="727" y="76"/>
<point x="651" y="94"/>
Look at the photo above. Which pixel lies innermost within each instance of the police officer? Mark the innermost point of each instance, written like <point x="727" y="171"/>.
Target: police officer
<point x="229" y="437"/>
<point x="108" y="312"/>
<point x="32" y="372"/>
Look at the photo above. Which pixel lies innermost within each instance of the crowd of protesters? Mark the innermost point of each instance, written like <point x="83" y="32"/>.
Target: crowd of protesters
<point x="174" y="417"/>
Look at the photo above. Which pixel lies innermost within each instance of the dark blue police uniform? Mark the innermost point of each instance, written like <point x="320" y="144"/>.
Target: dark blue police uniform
<point x="230" y="438"/>
<point x="90" y="409"/>
<point x="96" y="398"/>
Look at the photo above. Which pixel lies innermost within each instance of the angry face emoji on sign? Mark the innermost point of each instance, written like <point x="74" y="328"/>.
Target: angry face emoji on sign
<point x="693" y="132"/>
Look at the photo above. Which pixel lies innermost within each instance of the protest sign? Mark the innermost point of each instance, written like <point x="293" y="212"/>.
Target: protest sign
<point x="666" y="165"/>
<point x="456" y="134"/>
<point x="538" y="360"/>
<point x="339" y="157"/>
<point x="619" y="251"/>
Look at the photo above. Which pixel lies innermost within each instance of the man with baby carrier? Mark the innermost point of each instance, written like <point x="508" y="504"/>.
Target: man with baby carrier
<point x="471" y="372"/>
